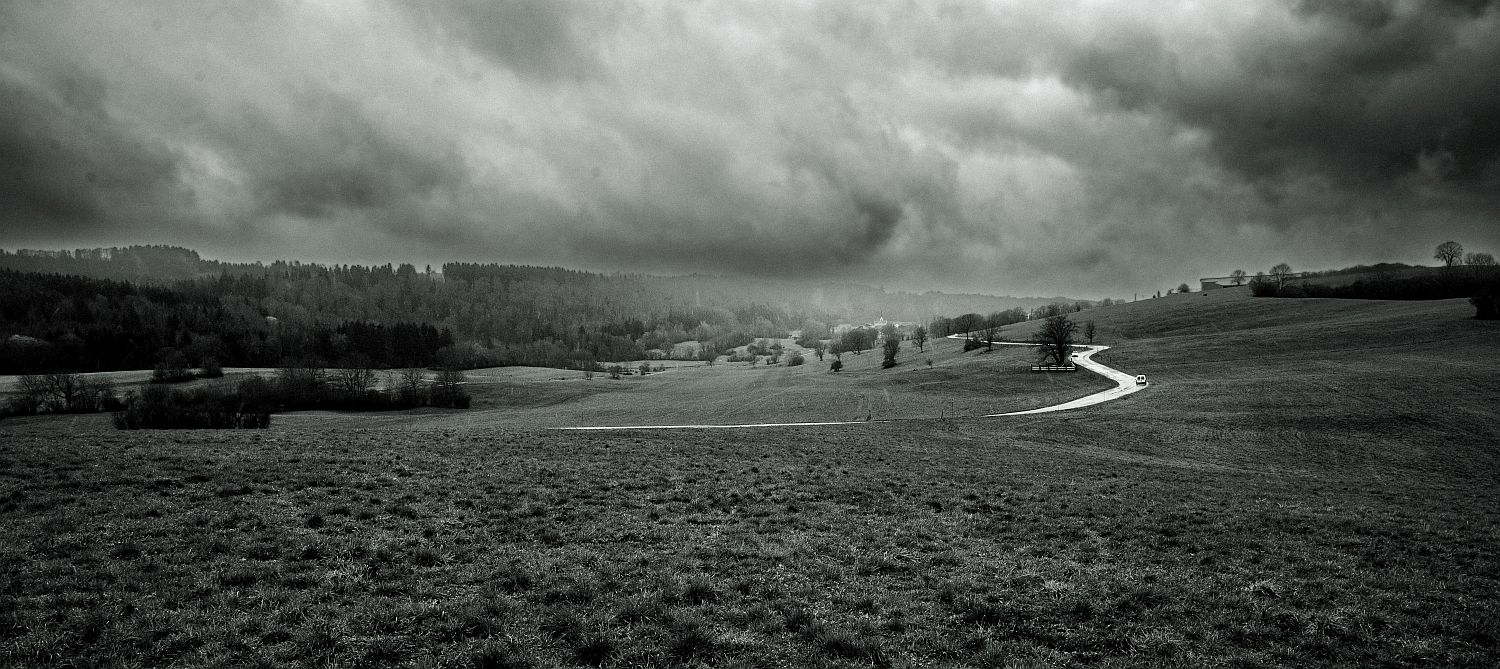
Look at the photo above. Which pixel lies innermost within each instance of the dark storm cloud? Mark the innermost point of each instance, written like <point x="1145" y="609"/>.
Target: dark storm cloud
<point x="345" y="163"/>
<point x="539" y="39"/>
<point x="1364" y="94"/>
<point x="67" y="164"/>
<point x="1004" y="145"/>
<point x="879" y="217"/>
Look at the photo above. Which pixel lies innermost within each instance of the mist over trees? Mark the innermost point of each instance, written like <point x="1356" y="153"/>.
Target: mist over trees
<point x="858" y="340"/>
<point x="146" y="304"/>
<point x="973" y="322"/>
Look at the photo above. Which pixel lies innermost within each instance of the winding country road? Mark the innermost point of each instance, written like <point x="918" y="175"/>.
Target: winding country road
<point x="1124" y="385"/>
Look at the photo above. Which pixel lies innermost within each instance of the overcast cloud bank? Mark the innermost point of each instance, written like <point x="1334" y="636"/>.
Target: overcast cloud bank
<point x="1093" y="149"/>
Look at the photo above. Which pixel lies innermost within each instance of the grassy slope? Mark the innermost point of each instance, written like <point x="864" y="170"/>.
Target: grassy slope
<point x="956" y="384"/>
<point x="1307" y="482"/>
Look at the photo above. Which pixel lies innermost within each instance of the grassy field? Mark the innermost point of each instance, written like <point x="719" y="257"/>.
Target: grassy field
<point x="955" y="384"/>
<point x="1306" y="483"/>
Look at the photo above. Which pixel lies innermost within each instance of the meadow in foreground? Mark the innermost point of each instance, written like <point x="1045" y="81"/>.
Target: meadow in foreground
<point x="1225" y="518"/>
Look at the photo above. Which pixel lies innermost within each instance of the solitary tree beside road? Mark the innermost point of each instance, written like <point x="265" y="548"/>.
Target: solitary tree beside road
<point x="1055" y="339"/>
<point x="1088" y="331"/>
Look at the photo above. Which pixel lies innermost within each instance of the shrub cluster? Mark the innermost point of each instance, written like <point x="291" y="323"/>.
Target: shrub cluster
<point x="218" y="406"/>
<point x="61" y="393"/>
<point x="250" y="403"/>
<point x="308" y="386"/>
<point x="1487" y="302"/>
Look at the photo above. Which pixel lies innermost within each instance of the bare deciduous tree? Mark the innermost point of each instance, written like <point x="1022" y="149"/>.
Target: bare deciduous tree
<point x="1237" y="277"/>
<point x="1280" y="272"/>
<point x="1055" y="338"/>
<point x="355" y="376"/>
<point x="61" y="392"/>
<point x="448" y="389"/>
<point x="1449" y="252"/>
<point x="919" y="337"/>
<point x="412" y="386"/>
<point x="64" y="391"/>
<point x="1089" y="331"/>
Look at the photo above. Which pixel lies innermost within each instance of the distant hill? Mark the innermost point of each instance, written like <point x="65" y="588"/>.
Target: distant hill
<point x="1377" y="272"/>
<point x="139" y="264"/>
<point x="125" y="308"/>
<point x="164" y="265"/>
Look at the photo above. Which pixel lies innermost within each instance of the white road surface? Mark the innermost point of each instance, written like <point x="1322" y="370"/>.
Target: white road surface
<point x="1124" y="385"/>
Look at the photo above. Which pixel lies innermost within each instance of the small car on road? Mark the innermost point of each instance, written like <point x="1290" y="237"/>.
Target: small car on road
<point x="1140" y="379"/>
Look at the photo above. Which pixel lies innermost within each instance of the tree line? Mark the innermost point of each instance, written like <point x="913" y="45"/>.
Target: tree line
<point x="247" y="402"/>
<point x="988" y="324"/>
<point x="468" y="315"/>
<point x="1475" y="276"/>
<point x="53" y="322"/>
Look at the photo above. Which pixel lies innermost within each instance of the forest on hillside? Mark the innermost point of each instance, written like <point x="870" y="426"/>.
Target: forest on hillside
<point x="131" y="308"/>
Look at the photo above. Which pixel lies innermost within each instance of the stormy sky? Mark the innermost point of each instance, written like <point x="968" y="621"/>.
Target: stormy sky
<point x="1088" y="149"/>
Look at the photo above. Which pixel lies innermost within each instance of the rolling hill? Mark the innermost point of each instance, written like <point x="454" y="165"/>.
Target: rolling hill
<point x="1306" y="482"/>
